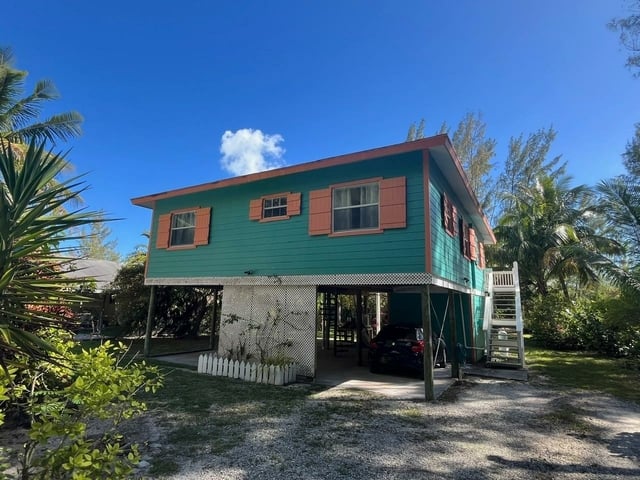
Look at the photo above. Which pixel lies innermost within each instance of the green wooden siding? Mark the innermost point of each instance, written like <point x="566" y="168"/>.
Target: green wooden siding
<point x="405" y="308"/>
<point x="477" y="303"/>
<point x="285" y="247"/>
<point x="448" y="262"/>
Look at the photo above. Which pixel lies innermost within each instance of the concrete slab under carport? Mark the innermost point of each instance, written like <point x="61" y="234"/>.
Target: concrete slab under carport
<point x="391" y="386"/>
<point x="343" y="373"/>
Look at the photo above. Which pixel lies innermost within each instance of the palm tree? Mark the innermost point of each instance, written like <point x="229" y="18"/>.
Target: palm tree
<point x="619" y="203"/>
<point x="35" y="221"/>
<point x="552" y="232"/>
<point x="19" y="117"/>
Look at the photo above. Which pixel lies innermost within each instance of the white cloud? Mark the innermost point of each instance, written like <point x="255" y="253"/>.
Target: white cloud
<point x="250" y="151"/>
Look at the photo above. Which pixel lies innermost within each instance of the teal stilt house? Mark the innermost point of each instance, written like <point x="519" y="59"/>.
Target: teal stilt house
<point x="401" y="220"/>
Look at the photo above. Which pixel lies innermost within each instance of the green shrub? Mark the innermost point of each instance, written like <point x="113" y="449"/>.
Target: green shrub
<point x="82" y="391"/>
<point x="603" y="322"/>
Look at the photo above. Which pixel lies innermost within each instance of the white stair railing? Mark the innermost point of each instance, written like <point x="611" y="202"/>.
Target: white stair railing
<point x="503" y="283"/>
<point x="519" y="319"/>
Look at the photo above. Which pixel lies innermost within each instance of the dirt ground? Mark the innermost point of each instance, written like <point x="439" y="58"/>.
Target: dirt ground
<point x="479" y="429"/>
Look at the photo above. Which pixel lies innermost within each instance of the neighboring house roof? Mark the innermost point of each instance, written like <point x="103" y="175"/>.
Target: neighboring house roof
<point x="438" y="146"/>
<point x="102" y="272"/>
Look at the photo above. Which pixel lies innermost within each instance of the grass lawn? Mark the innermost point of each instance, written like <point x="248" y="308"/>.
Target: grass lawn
<point x="207" y="415"/>
<point x="583" y="370"/>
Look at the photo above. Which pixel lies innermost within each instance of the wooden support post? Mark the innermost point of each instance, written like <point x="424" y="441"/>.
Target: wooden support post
<point x="359" y="326"/>
<point x="378" y="313"/>
<point x="214" y="321"/>
<point x="429" y="394"/>
<point x="335" y="326"/>
<point x="326" y="325"/>
<point x="455" y="361"/>
<point x="150" y="314"/>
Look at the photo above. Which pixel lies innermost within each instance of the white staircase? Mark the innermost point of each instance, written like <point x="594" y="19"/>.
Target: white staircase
<point x="503" y="319"/>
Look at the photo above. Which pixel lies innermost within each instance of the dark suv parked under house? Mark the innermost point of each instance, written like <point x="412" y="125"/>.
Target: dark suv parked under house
<point x="400" y="348"/>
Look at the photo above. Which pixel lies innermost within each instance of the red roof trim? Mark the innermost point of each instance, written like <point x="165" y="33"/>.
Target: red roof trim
<point x="463" y="176"/>
<point x="423" y="144"/>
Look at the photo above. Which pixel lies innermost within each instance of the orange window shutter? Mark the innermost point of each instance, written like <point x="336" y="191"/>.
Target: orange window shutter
<point x="320" y="212"/>
<point x="255" y="209"/>
<point x="293" y="203"/>
<point x="393" y="203"/>
<point x="454" y="220"/>
<point x="164" y="231"/>
<point x="203" y="222"/>
<point x="481" y="258"/>
<point x="446" y="213"/>
<point x="473" y="249"/>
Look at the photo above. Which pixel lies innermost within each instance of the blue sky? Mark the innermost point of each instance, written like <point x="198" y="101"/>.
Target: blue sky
<point x="171" y="89"/>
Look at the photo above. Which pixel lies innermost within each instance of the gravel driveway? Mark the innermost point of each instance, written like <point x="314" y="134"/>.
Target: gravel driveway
<point x="479" y="429"/>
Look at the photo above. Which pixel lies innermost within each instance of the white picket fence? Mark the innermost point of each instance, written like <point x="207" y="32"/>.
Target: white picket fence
<point x="211" y="364"/>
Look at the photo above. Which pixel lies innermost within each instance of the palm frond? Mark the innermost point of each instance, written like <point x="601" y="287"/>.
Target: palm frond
<point x="63" y="126"/>
<point x="33" y="224"/>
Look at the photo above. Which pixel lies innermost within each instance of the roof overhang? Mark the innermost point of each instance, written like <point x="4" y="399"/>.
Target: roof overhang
<point x="438" y="146"/>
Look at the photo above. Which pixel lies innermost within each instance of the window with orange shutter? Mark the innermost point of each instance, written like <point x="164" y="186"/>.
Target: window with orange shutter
<point x="184" y="228"/>
<point x="361" y="207"/>
<point x="280" y="206"/>
<point x="449" y="215"/>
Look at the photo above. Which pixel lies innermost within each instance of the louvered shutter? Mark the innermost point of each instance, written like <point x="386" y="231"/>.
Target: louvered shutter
<point x="255" y="209"/>
<point x="481" y="257"/>
<point x="473" y="249"/>
<point x="293" y="203"/>
<point x="164" y="231"/>
<point x="393" y="203"/>
<point x="320" y="212"/>
<point x="203" y="222"/>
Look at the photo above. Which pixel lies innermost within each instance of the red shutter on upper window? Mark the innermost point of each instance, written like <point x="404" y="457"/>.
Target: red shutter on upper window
<point x="481" y="257"/>
<point x="203" y="222"/>
<point x="446" y="216"/>
<point x="320" y="212"/>
<point x="453" y="229"/>
<point x="473" y="249"/>
<point x="255" y="209"/>
<point x="393" y="203"/>
<point x="293" y="203"/>
<point x="164" y="231"/>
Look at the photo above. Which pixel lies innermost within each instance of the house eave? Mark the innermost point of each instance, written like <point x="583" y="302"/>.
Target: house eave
<point x="149" y="201"/>
<point x="439" y="146"/>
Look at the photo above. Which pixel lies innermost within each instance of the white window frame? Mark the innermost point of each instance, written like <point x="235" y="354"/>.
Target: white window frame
<point x="271" y="209"/>
<point x="174" y="218"/>
<point x="351" y="207"/>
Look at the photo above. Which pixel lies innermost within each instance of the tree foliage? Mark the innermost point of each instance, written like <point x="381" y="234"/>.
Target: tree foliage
<point x="631" y="156"/>
<point x="20" y="121"/>
<point x="416" y="131"/>
<point x="475" y="151"/>
<point x="34" y="229"/>
<point x="66" y="400"/>
<point x="628" y="29"/>
<point x="525" y="164"/>
<point x="180" y="311"/>
<point x="549" y="231"/>
<point x="95" y="243"/>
